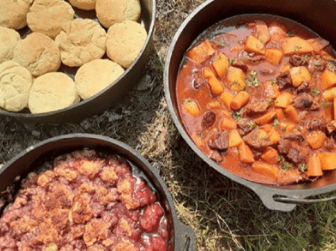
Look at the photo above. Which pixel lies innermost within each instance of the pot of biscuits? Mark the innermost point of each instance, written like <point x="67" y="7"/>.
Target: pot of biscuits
<point x="63" y="61"/>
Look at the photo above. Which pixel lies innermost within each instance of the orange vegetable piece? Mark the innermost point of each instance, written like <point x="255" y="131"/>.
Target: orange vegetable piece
<point x="283" y="100"/>
<point x="221" y="65"/>
<point x="279" y="113"/>
<point x="267" y="127"/>
<point x="262" y="31"/>
<point x="201" y="52"/>
<point x="292" y="114"/>
<point x="226" y="97"/>
<point x="265" y="119"/>
<point x="316" y="139"/>
<point x="235" y="139"/>
<point x="240" y="100"/>
<point x="236" y="78"/>
<point x="328" y="160"/>
<point x="293" y="45"/>
<point x="335" y="108"/>
<point x="271" y="90"/>
<point x="299" y="75"/>
<point x="274" y="136"/>
<point x="286" y="127"/>
<point x="253" y="44"/>
<point x="214" y="105"/>
<point x="228" y="124"/>
<point x="216" y="86"/>
<point x="328" y="79"/>
<point x="314" y="167"/>
<point x="245" y="154"/>
<point x="318" y="43"/>
<point x="330" y="94"/>
<point x="265" y="169"/>
<point x="270" y="155"/>
<point x="285" y="68"/>
<point x="273" y="56"/>
<point x="191" y="107"/>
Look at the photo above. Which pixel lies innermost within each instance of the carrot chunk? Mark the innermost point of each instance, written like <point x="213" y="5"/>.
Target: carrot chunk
<point x="274" y="136"/>
<point x="270" y="155"/>
<point x="201" y="52"/>
<point x="316" y="139"/>
<point x="226" y="97"/>
<point x="235" y="139"/>
<point x="328" y="160"/>
<point x="216" y="86"/>
<point x="265" y="169"/>
<point x="279" y="114"/>
<point x="328" y="79"/>
<point x="265" y="119"/>
<point x="293" y="45"/>
<point x="221" y="65"/>
<point x="191" y="107"/>
<point x="236" y="78"/>
<point x="292" y="114"/>
<point x="228" y="124"/>
<point x="245" y="154"/>
<point x="240" y="100"/>
<point x="314" y="167"/>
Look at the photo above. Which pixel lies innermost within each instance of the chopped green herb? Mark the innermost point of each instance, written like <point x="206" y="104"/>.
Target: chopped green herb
<point x="297" y="47"/>
<point x="279" y="158"/>
<point x="290" y="34"/>
<point x="252" y="80"/>
<point x="306" y="57"/>
<point x="237" y="115"/>
<point x="325" y="104"/>
<point x="232" y="60"/>
<point x="270" y="101"/>
<point x="284" y="128"/>
<point x="234" y="83"/>
<point x="303" y="167"/>
<point x="299" y="128"/>
<point x="273" y="82"/>
<point x="186" y="101"/>
<point x="222" y="43"/>
<point x="315" y="92"/>
<point x="318" y="63"/>
<point x="276" y="122"/>
<point x="286" y="165"/>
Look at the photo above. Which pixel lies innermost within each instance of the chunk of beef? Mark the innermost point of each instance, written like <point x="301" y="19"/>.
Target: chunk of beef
<point x="267" y="72"/>
<point x="317" y="64"/>
<point x="216" y="156"/>
<point x="316" y="124"/>
<point x="254" y="139"/>
<point x="245" y="126"/>
<point x="298" y="60"/>
<point x="315" y="106"/>
<point x="255" y="108"/>
<point x="250" y="58"/>
<point x="331" y="126"/>
<point x="331" y="65"/>
<point x="303" y="87"/>
<point x="197" y="83"/>
<point x="208" y="119"/>
<point x="220" y="141"/>
<point x="284" y="80"/>
<point x="284" y="146"/>
<point x="294" y="135"/>
<point x="240" y="64"/>
<point x="295" y="156"/>
<point x="303" y="101"/>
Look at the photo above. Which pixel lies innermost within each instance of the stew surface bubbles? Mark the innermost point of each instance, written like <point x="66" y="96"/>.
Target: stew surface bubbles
<point x="256" y="94"/>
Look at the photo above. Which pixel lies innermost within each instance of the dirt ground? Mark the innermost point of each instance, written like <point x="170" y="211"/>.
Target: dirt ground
<point x="224" y="214"/>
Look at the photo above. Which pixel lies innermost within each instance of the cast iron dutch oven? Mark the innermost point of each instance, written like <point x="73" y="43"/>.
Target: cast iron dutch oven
<point x="182" y="238"/>
<point x="319" y="16"/>
<point x="111" y="94"/>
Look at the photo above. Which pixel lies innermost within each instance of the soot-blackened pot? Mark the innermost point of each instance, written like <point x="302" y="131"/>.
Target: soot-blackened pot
<point x="319" y="16"/>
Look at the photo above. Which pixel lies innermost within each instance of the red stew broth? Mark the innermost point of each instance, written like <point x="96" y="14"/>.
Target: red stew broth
<point x="192" y="85"/>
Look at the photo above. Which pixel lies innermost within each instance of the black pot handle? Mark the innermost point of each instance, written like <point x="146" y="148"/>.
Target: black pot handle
<point x="302" y="200"/>
<point x="185" y="238"/>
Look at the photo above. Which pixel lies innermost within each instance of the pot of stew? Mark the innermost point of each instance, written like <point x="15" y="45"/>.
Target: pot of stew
<point x="87" y="192"/>
<point x="251" y="87"/>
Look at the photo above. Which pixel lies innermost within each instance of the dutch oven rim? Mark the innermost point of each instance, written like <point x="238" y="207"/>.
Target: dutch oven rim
<point x="31" y="117"/>
<point x="267" y="193"/>
<point x="184" y="236"/>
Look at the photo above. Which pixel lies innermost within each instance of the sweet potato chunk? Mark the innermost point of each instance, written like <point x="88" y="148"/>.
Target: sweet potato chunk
<point x="285" y="68"/>
<point x="283" y="100"/>
<point x="214" y="105"/>
<point x="236" y="78"/>
<point x="274" y="136"/>
<point x="328" y="79"/>
<point x="292" y="114"/>
<point x="240" y="100"/>
<point x="273" y="56"/>
<point x="328" y="160"/>
<point x="299" y="75"/>
<point x="334" y="108"/>
<point x="279" y="114"/>
<point x="228" y="124"/>
<point x="221" y="65"/>
<point x="316" y="139"/>
<point x="271" y="90"/>
<point x="201" y="52"/>
<point x="293" y="45"/>
<point x="191" y="107"/>
<point x="253" y="44"/>
<point x="245" y="154"/>
<point x="226" y="97"/>
<point x="235" y="139"/>
<point x="330" y="94"/>
<point x="215" y="85"/>
<point x="265" y="119"/>
<point x="270" y="155"/>
<point x="262" y="31"/>
<point x="265" y="169"/>
<point x="314" y="167"/>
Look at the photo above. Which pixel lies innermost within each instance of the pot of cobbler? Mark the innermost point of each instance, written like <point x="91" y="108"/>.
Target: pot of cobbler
<point x="87" y="192"/>
<point x="250" y="86"/>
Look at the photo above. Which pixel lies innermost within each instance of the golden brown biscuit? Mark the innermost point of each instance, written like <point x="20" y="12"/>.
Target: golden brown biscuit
<point x="13" y="13"/>
<point x="84" y="4"/>
<point x="110" y="12"/>
<point x="48" y="16"/>
<point x="94" y="76"/>
<point x="38" y="53"/>
<point x="51" y="92"/>
<point x="124" y="42"/>
<point x="81" y="41"/>
<point x="8" y="41"/>
<point x="15" y="83"/>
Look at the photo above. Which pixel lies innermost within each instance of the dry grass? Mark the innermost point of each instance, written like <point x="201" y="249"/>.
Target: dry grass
<point x="224" y="214"/>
